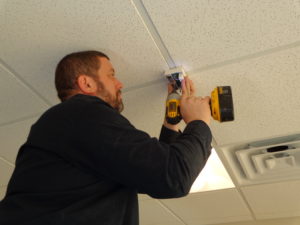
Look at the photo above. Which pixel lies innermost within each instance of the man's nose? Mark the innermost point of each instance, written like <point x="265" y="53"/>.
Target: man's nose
<point x="119" y="84"/>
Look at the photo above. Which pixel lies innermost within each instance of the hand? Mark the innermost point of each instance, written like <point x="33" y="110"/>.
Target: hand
<point x="192" y="107"/>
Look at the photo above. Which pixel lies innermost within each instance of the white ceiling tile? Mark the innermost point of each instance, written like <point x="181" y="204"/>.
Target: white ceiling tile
<point x="17" y="101"/>
<point x="5" y="174"/>
<point x="201" y="33"/>
<point x="2" y="192"/>
<point x="153" y="213"/>
<point x="145" y="107"/>
<point x="210" y="207"/>
<point x="265" y="95"/>
<point x="13" y="136"/>
<point x="37" y="34"/>
<point x="274" y="200"/>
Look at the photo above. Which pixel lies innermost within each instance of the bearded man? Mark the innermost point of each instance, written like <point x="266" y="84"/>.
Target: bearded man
<point x="84" y="163"/>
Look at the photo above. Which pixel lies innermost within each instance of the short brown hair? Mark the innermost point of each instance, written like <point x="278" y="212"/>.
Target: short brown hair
<point x="71" y="66"/>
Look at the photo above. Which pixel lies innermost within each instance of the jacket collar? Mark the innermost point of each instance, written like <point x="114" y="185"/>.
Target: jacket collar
<point x="83" y="96"/>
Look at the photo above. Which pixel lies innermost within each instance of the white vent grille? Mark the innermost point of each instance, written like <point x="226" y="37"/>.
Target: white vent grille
<point x="262" y="161"/>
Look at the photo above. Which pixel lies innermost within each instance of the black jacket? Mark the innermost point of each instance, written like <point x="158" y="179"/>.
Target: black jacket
<point x="84" y="163"/>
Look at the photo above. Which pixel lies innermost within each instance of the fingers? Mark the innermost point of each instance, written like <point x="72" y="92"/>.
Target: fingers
<point x="188" y="85"/>
<point x="193" y="89"/>
<point x="183" y="88"/>
<point x="190" y="89"/>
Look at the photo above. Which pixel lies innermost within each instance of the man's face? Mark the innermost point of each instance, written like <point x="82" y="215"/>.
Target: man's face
<point x="109" y="87"/>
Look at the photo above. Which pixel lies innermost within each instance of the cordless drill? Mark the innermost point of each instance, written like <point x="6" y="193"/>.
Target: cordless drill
<point x="221" y="102"/>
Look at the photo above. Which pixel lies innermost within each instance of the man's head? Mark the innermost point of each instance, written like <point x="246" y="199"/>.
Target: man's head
<point x="90" y="73"/>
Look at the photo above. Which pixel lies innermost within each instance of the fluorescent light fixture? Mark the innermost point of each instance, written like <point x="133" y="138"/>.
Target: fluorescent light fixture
<point x="213" y="176"/>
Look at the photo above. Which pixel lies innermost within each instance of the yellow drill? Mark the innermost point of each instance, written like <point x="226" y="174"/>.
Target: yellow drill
<point x="221" y="103"/>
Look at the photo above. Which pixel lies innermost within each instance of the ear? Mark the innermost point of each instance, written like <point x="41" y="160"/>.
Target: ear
<point x="87" y="84"/>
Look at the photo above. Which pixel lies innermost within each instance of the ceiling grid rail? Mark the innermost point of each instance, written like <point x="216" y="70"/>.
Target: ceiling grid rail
<point x="23" y="81"/>
<point x="247" y="57"/>
<point x="170" y="211"/>
<point x="149" y="25"/>
<point x="7" y="162"/>
<point x="21" y="119"/>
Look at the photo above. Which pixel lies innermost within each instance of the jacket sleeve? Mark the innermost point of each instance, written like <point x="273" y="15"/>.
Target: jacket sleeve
<point x="167" y="135"/>
<point x="111" y="148"/>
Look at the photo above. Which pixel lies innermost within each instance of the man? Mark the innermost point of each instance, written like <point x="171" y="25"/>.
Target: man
<point x="84" y="163"/>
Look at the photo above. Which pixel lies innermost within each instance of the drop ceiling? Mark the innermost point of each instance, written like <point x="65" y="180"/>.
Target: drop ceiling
<point x="251" y="45"/>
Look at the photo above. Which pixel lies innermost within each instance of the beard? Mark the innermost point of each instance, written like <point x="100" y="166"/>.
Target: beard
<point x="115" y="101"/>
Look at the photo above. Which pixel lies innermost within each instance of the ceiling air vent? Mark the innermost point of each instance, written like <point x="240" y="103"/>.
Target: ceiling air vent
<point x="262" y="161"/>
